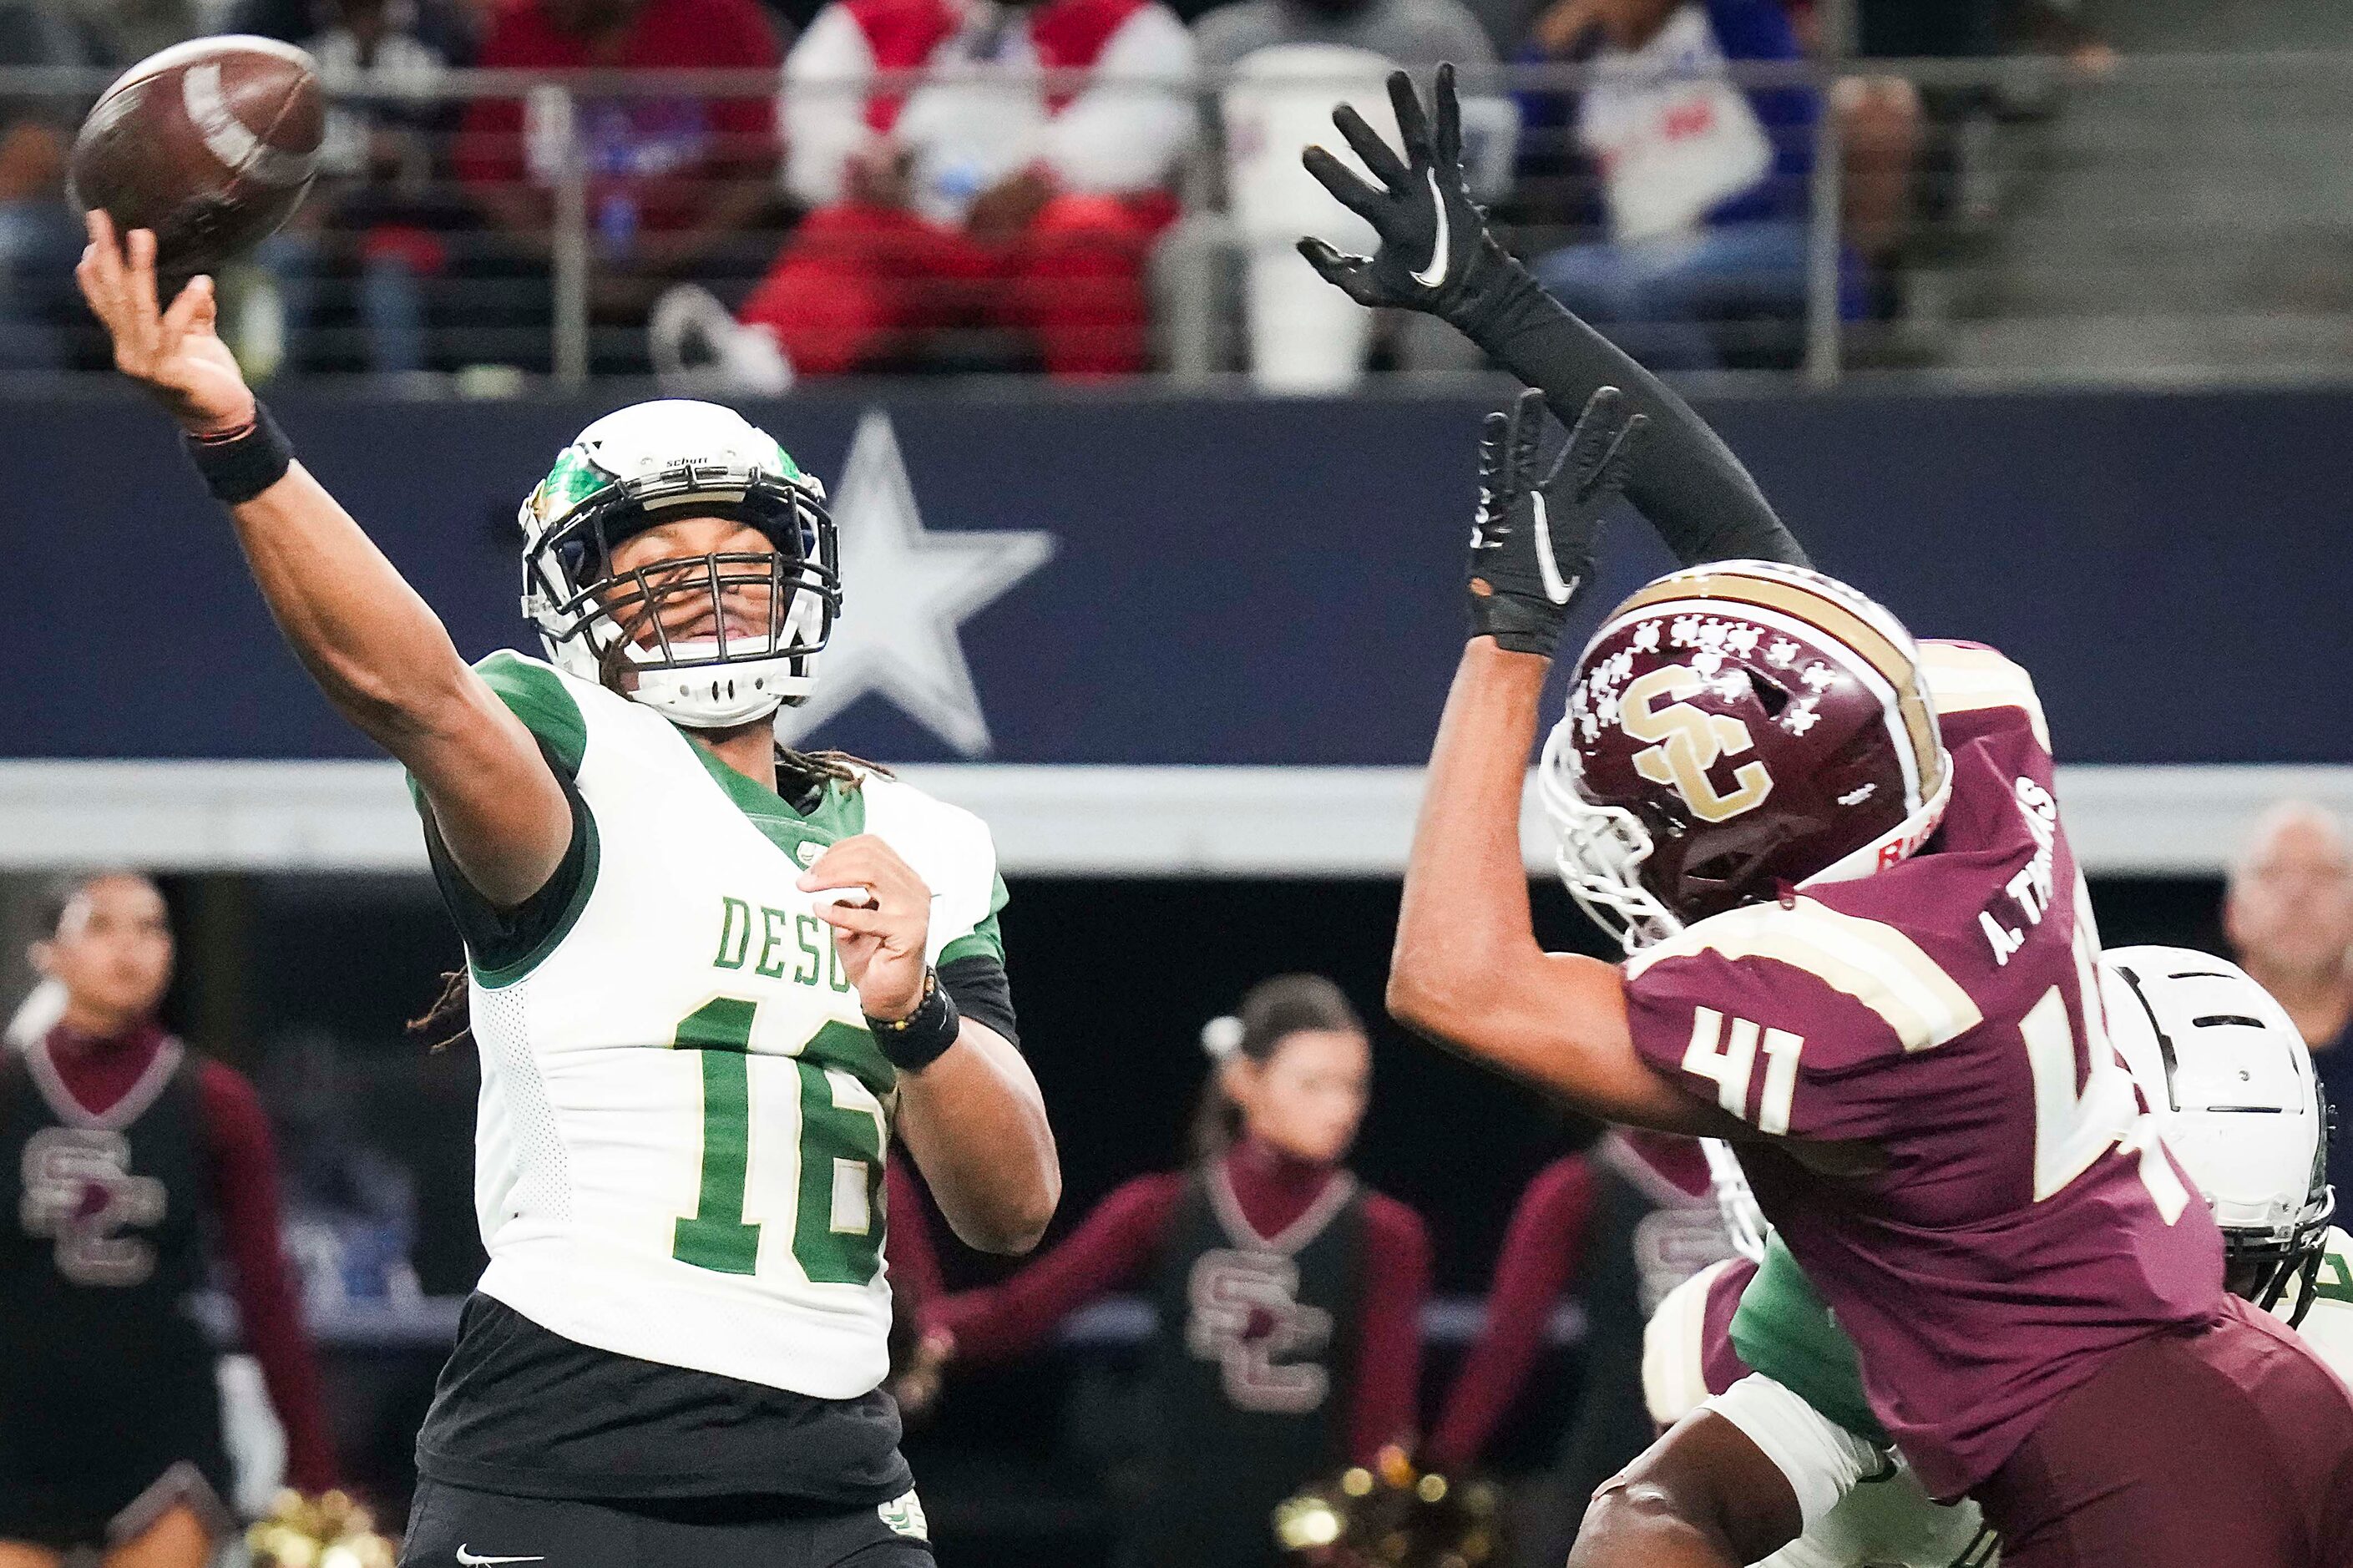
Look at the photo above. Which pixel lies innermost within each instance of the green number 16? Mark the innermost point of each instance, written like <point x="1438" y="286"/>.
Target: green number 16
<point x="842" y="1156"/>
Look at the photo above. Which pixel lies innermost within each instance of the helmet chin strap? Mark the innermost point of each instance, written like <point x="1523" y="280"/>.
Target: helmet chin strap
<point x="714" y="696"/>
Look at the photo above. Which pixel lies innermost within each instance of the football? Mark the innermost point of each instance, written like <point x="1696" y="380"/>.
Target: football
<point x="211" y="143"/>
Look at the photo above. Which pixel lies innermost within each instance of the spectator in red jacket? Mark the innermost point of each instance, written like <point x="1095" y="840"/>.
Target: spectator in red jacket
<point x="988" y="195"/>
<point x="123" y="1158"/>
<point x="1290" y="1295"/>
<point x="674" y="179"/>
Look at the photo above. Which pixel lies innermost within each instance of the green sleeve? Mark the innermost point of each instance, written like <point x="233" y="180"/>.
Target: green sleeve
<point x="505" y="945"/>
<point x="536" y="695"/>
<point x="1784" y="1328"/>
<point x="983" y="941"/>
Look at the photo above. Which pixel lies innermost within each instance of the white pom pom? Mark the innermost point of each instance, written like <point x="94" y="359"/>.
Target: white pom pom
<point x="38" y="1013"/>
<point x="1221" y="1036"/>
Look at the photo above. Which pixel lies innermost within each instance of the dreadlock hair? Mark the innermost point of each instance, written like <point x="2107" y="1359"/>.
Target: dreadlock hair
<point x="800" y="774"/>
<point x="1271" y="1012"/>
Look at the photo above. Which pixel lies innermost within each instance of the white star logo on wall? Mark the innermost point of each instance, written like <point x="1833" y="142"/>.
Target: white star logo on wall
<point x="906" y="592"/>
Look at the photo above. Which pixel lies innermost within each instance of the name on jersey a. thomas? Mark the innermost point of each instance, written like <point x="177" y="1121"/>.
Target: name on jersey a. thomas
<point x="2031" y="889"/>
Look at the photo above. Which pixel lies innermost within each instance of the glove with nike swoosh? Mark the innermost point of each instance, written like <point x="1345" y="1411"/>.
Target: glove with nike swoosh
<point x="1436" y="255"/>
<point x="1532" y="544"/>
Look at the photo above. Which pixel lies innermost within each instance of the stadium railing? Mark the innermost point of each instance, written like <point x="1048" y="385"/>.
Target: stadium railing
<point x="1115" y="1323"/>
<point x="2175" y="214"/>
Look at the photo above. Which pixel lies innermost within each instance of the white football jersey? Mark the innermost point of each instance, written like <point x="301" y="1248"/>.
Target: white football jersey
<point x="683" y="1119"/>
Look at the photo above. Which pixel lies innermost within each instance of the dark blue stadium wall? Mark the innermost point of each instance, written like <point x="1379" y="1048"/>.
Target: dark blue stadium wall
<point x="1249" y="582"/>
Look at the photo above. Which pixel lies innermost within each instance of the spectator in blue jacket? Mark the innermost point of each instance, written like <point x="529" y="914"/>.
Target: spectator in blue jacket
<point x="1703" y="182"/>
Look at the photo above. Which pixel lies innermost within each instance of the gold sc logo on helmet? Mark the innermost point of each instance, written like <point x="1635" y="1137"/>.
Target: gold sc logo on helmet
<point x="1687" y="742"/>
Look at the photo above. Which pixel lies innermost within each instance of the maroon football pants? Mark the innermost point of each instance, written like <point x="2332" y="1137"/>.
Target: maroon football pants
<point x="2227" y="1447"/>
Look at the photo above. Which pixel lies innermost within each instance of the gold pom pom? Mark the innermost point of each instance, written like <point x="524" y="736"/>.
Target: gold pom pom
<point x="333" y="1530"/>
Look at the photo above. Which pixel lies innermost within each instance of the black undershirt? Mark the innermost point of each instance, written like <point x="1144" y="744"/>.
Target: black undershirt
<point x="525" y="1412"/>
<point x="497" y="938"/>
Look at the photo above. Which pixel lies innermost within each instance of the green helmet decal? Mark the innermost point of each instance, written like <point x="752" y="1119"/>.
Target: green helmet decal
<point x="784" y="464"/>
<point x="572" y="480"/>
<point x="674" y="457"/>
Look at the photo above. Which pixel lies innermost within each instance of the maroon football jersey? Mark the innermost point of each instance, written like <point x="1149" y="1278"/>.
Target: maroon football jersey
<point x="1970" y="1178"/>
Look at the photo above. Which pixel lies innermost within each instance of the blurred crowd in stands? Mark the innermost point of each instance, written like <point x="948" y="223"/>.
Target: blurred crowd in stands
<point x="973" y="184"/>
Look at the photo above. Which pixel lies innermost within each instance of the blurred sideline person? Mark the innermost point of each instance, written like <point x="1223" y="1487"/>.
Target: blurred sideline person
<point x="2220" y="1061"/>
<point x="2288" y="910"/>
<point x="917" y="1287"/>
<point x="1289" y="1295"/>
<point x="1630" y="1220"/>
<point x="709" y="980"/>
<point x="121" y="1152"/>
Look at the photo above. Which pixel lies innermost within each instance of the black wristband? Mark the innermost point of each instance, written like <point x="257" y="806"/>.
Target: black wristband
<point x="239" y="467"/>
<point x="1516" y="625"/>
<point x="918" y="1039"/>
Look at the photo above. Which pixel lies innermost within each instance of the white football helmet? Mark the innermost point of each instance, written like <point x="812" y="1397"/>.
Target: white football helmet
<point x="628" y="472"/>
<point x="2233" y="1085"/>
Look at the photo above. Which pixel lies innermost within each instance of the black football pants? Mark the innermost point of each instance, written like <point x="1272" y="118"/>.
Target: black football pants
<point x="455" y="1527"/>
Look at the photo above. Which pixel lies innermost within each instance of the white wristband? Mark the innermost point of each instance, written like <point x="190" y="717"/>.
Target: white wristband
<point x="1821" y="1460"/>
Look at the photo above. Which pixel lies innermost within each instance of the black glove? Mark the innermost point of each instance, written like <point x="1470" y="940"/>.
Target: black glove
<point x="1532" y="544"/>
<point x="1696" y="494"/>
<point x="1435" y="254"/>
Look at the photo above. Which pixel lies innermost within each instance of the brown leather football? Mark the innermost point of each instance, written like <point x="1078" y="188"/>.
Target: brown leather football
<point x="211" y="143"/>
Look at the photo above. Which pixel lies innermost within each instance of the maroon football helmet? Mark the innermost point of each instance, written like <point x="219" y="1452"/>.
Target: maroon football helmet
<point x="1732" y="729"/>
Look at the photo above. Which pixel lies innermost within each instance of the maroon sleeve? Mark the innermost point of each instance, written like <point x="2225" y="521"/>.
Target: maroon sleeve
<point x="1385" y="1392"/>
<point x="907" y="1244"/>
<point x="1787" y="1017"/>
<point x="1111" y="1247"/>
<point x="245" y="1197"/>
<point x="1543" y="1247"/>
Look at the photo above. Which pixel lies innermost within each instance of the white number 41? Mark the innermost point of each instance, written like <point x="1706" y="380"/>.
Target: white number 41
<point x="1726" y="1051"/>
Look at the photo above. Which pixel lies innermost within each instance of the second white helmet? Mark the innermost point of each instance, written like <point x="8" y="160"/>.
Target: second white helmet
<point x="2232" y="1083"/>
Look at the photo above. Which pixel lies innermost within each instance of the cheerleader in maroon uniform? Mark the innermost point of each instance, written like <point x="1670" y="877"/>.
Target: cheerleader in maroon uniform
<point x="120" y="1153"/>
<point x="1289" y="1295"/>
<point x="1630" y="1220"/>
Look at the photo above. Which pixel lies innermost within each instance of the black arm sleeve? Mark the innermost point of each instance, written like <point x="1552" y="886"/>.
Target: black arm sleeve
<point x="1687" y="484"/>
<point x="495" y="938"/>
<point x="981" y="992"/>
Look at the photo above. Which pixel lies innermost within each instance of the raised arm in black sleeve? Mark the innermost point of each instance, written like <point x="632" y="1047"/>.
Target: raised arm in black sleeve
<point x="1688" y="486"/>
<point x="1437" y="257"/>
